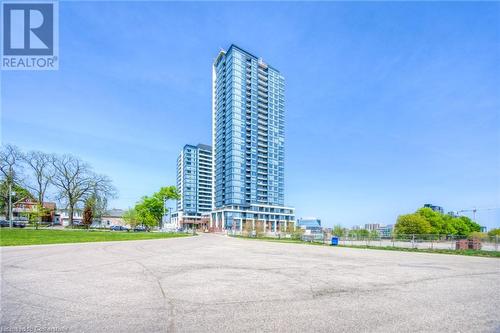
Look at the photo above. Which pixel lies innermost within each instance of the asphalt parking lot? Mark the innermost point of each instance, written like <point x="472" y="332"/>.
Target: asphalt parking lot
<point x="218" y="284"/>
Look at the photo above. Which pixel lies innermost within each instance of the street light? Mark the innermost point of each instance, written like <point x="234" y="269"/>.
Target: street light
<point x="164" y="211"/>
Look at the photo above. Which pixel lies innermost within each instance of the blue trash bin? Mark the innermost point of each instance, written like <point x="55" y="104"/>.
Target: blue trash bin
<point x="335" y="241"/>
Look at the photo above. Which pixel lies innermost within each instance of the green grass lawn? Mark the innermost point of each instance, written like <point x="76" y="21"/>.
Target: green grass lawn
<point x="476" y="253"/>
<point x="12" y="237"/>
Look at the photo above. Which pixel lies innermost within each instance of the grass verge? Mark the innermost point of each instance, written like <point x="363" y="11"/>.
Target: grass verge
<point x="475" y="253"/>
<point x="13" y="237"/>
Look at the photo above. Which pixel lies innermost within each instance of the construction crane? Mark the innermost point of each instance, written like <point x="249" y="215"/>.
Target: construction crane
<point x="474" y="210"/>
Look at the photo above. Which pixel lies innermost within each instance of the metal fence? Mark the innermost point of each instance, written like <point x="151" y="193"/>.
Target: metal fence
<point x="414" y="241"/>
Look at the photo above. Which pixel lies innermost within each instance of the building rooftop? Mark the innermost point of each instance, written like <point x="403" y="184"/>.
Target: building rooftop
<point x="204" y="147"/>
<point x="309" y="222"/>
<point x="199" y="145"/>
<point x="114" y="212"/>
<point x="234" y="46"/>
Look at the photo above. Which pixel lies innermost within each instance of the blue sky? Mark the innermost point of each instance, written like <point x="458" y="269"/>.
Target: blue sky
<point x="389" y="105"/>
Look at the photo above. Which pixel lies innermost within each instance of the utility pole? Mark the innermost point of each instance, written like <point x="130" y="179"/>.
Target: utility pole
<point x="10" y="204"/>
<point x="164" y="211"/>
<point x="164" y="206"/>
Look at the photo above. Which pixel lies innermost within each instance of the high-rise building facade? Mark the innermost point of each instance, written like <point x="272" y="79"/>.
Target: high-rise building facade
<point x="194" y="183"/>
<point x="372" y="226"/>
<point x="248" y="141"/>
<point x="435" y="208"/>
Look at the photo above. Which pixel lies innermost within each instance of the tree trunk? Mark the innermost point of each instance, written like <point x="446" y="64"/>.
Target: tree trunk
<point x="70" y="211"/>
<point x="10" y="205"/>
<point x="40" y="210"/>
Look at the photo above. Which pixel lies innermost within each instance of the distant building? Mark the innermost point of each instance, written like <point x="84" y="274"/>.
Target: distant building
<point x="194" y="182"/>
<point x="21" y="209"/>
<point x="438" y="209"/>
<point x="111" y="217"/>
<point x="385" y="230"/>
<point x="483" y="228"/>
<point x="310" y="224"/>
<point x="372" y="226"/>
<point x="62" y="217"/>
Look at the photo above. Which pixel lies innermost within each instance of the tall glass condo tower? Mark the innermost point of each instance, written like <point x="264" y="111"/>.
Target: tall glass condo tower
<point x="248" y="137"/>
<point x="194" y="183"/>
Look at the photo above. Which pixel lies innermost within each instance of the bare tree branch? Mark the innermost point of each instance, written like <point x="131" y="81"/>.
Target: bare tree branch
<point x="42" y="171"/>
<point x="71" y="178"/>
<point x="76" y="182"/>
<point x="10" y="162"/>
<point x="10" y="170"/>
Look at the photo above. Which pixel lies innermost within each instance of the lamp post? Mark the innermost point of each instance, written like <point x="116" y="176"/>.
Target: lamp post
<point x="164" y="211"/>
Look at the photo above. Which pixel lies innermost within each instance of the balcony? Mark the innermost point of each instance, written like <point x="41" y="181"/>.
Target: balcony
<point x="261" y="105"/>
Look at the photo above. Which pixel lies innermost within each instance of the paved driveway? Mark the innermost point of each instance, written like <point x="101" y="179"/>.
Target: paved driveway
<point x="216" y="284"/>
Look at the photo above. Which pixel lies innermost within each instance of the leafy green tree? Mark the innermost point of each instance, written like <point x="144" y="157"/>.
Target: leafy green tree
<point x="297" y="234"/>
<point x="464" y="226"/>
<point x="130" y="216"/>
<point x="435" y="219"/>
<point x="478" y="235"/>
<point x="145" y="213"/>
<point x="412" y="224"/>
<point x="437" y="223"/>
<point x="19" y="193"/>
<point x="363" y="233"/>
<point x="448" y="227"/>
<point x="167" y="193"/>
<point x="150" y="210"/>
<point x="494" y="232"/>
<point x="338" y="231"/>
<point x="473" y="226"/>
<point x="374" y="234"/>
<point x="35" y="215"/>
<point x="360" y="233"/>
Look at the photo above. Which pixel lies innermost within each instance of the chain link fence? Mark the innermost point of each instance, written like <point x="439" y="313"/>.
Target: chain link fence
<point x="416" y="241"/>
<point x="412" y="241"/>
